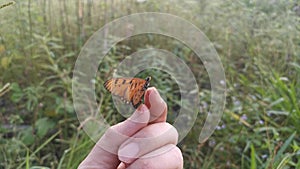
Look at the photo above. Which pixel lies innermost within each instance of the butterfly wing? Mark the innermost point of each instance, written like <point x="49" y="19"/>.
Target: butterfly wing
<point x="137" y="98"/>
<point x="119" y="87"/>
<point x="128" y="89"/>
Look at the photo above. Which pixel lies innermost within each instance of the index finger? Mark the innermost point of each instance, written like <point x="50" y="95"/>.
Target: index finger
<point x="156" y="105"/>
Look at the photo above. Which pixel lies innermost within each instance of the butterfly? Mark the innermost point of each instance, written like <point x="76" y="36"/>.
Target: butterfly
<point x="130" y="90"/>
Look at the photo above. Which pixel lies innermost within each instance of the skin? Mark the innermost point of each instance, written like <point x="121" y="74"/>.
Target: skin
<point x="142" y="141"/>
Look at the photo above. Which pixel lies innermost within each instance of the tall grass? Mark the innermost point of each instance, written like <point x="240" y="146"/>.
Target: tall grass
<point x="258" y="42"/>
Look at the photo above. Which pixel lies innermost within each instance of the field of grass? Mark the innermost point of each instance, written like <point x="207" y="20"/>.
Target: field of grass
<point x="258" y="43"/>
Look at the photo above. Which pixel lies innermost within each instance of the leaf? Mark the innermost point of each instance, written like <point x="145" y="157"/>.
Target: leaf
<point x="27" y="136"/>
<point x="284" y="147"/>
<point x="43" y="125"/>
<point x="5" y="61"/>
<point x="15" y="87"/>
<point x="253" y="160"/>
<point x="2" y="48"/>
<point x="17" y="92"/>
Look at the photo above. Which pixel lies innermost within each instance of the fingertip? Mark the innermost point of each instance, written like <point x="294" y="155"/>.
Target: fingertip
<point x="135" y="122"/>
<point x="121" y="166"/>
<point x="152" y="94"/>
<point x="147" y="94"/>
<point x="129" y="152"/>
<point x="141" y="115"/>
<point x="156" y="105"/>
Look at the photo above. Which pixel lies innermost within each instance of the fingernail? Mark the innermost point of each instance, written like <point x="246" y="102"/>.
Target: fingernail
<point x="128" y="152"/>
<point x="121" y="166"/>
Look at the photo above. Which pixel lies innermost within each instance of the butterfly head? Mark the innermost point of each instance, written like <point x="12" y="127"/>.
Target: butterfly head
<point x="147" y="84"/>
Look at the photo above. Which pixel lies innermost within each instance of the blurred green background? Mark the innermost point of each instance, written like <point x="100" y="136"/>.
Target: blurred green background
<point x="258" y="42"/>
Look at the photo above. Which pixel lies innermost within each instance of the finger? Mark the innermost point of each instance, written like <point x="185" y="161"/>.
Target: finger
<point x="121" y="166"/>
<point x="157" y="106"/>
<point x="146" y="140"/>
<point x="170" y="159"/>
<point x="138" y="120"/>
<point x="104" y="153"/>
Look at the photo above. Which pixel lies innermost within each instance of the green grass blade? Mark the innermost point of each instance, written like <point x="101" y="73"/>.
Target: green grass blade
<point x="253" y="160"/>
<point x="284" y="147"/>
<point x="39" y="148"/>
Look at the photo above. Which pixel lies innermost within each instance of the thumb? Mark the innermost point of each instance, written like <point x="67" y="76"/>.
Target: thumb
<point x="104" y="153"/>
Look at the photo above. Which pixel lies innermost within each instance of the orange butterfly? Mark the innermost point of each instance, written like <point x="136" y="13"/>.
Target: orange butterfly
<point x="130" y="90"/>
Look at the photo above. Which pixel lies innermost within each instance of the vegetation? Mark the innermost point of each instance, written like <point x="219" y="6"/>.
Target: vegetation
<point x="257" y="41"/>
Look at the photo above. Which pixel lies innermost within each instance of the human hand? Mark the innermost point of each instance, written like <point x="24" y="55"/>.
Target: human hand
<point x="144" y="140"/>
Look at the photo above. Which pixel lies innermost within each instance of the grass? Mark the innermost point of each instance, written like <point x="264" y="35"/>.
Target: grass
<point x="258" y="44"/>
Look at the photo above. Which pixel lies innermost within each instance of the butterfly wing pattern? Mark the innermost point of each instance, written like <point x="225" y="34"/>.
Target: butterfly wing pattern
<point x="130" y="90"/>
